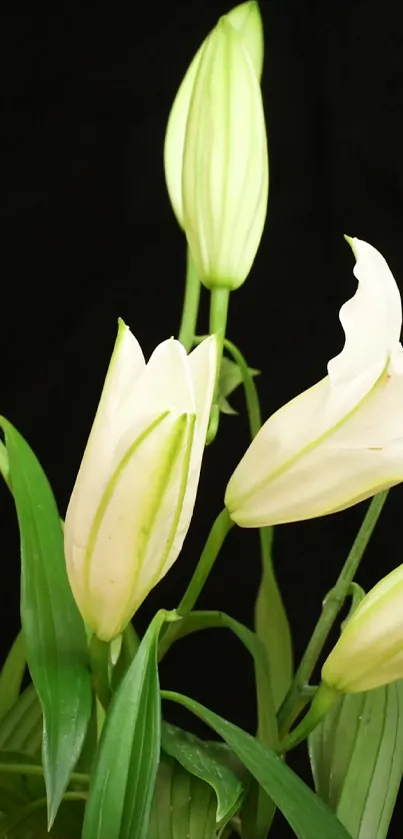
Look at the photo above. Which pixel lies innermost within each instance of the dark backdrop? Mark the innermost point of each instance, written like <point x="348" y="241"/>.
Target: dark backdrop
<point x="88" y="234"/>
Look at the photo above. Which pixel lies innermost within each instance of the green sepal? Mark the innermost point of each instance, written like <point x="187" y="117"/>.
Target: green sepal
<point x="230" y="378"/>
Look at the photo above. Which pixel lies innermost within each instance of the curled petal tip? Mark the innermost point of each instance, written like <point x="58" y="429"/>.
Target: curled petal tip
<point x="351" y="241"/>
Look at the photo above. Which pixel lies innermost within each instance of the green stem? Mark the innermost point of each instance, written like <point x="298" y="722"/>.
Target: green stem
<point x="219" y="302"/>
<point x="268" y="580"/>
<point x="250" y="389"/>
<point x="218" y="532"/>
<point x="129" y="647"/>
<point x="324" y="698"/>
<point x="255" y="424"/>
<point x="99" y="658"/>
<point x="295" y="701"/>
<point x="191" y="302"/>
<point x="37" y="769"/>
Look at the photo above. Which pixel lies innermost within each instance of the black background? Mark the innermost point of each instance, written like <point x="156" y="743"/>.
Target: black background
<point x="88" y="234"/>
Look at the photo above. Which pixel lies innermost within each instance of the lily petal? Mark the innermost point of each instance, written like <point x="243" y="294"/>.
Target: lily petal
<point x="202" y="365"/>
<point x="341" y="441"/>
<point x="126" y="368"/>
<point x="369" y="651"/>
<point x="225" y="84"/>
<point x="372" y="322"/>
<point x="121" y="540"/>
<point x="171" y="521"/>
<point x="122" y="528"/>
<point x="165" y="384"/>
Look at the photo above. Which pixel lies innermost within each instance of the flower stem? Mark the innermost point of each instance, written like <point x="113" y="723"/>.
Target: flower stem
<point x="99" y="658"/>
<point x="218" y="532"/>
<point x="250" y="389"/>
<point x="190" y="305"/>
<point x="280" y="658"/>
<point x="295" y="700"/>
<point x="219" y="301"/>
<point x="323" y="700"/>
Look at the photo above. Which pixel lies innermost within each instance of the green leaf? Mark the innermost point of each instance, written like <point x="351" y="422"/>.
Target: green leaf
<point x="356" y="756"/>
<point x="126" y="763"/>
<point x="11" y="675"/>
<point x="55" y="639"/>
<point x="183" y="805"/>
<point x="272" y="627"/>
<point x="86" y="759"/>
<point x="198" y="620"/>
<point x="17" y="786"/>
<point x="273" y="631"/>
<point x="230" y="378"/>
<point x="259" y="809"/>
<point x="198" y="758"/>
<point x="306" y="812"/>
<point x="30" y="822"/>
<point x="21" y="728"/>
<point x="4" y="467"/>
<point x="14" y="788"/>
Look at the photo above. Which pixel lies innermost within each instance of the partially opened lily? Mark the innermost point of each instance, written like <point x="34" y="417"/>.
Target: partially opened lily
<point x="369" y="652"/>
<point x="341" y="441"/>
<point x="135" y="491"/>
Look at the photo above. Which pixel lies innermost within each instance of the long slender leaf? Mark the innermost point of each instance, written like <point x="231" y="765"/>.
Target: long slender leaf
<point x="198" y="758"/>
<point x="183" y="805"/>
<point x="54" y="633"/>
<point x="258" y="808"/>
<point x="304" y="810"/>
<point x="273" y="631"/>
<point x="21" y="728"/>
<point x="198" y="620"/>
<point x="271" y="625"/>
<point x="357" y="759"/>
<point x="4" y="466"/>
<point x="126" y="763"/>
<point x="11" y="675"/>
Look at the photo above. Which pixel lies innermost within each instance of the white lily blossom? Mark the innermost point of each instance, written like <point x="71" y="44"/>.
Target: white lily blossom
<point x="215" y="154"/>
<point x="341" y="441"/>
<point x="369" y="652"/>
<point x="134" y="495"/>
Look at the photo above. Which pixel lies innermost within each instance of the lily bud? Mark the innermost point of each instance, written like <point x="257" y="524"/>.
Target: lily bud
<point x="215" y="153"/>
<point x="340" y="441"/>
<point x="135" y="491"/>
<point x="369" y="652"/>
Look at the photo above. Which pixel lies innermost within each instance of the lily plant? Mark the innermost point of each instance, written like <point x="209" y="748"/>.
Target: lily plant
<point x="85" y="747"/>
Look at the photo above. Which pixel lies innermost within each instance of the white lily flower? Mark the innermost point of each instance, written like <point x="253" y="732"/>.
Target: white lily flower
<point x="215" y="156"/>
<point x="135" y="491"/>
<point x="341" y="441"/>
<point x="369" y="652"/>
<point x="246" y="19"/>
